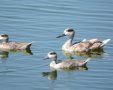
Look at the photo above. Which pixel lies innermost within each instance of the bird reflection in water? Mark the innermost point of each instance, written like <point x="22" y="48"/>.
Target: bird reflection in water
<point x="4" y="54"/>
<point x="52" y="75"/>
<point x="94" y="54"/>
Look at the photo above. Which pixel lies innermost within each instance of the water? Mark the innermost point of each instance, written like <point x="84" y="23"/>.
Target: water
<point x="41" y="21"/>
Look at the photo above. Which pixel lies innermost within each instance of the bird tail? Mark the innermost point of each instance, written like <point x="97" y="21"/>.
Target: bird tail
<point x="105" y="42"/>
<point x="88" y="59"/>
<point x="28" y="45"/>
<point x="84" y="40"/>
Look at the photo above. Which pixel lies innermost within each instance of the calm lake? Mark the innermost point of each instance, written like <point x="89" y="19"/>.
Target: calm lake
<point x="40" y="21"/>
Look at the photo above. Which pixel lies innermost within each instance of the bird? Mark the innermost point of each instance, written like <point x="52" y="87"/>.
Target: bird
<point x="82" y="46"/>
<point x="64" y="64"/>
<point x="10" y="45"/>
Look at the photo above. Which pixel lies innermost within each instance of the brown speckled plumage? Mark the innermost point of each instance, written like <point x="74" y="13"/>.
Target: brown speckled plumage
<point x="65" y="63"/>
<point x="5" y="44"/>
<point x="83" y="46"/>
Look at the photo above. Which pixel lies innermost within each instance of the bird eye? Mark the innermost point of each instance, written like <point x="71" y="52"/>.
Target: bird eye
<point x="4" y="35"/>
<point x="52" y="53"/>
<point x="70" y="30"/>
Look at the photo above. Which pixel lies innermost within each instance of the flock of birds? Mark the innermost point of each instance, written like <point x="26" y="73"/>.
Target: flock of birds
<point x="81" y="47"/>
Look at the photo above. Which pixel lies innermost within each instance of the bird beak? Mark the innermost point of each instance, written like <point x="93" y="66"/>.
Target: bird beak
<point x="46" y="58"/>
<point x="61" y="35"/>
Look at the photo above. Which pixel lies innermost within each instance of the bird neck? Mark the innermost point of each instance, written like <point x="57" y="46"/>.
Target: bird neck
<point x="54" y="60"/>
<point x="68" y="43"/>
<point x="70" y="39"/>
<point x="5" y="40"/>
<point x="53" y="63"/>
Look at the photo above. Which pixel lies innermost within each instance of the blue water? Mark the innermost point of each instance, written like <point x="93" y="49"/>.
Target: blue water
<point x="40" y="21"/>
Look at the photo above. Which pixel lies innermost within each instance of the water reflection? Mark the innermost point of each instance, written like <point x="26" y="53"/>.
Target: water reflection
<point x="93" y="54"/>
<point x="52" y="75"/>
<point x="4" y="54"/>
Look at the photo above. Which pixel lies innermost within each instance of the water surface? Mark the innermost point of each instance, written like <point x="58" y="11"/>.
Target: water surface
<point x="40" y="22"/>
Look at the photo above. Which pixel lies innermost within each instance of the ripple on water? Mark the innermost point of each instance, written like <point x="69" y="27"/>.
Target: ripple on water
<point x="41" y="21"/>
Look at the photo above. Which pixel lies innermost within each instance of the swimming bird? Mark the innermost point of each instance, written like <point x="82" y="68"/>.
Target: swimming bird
<point x="83" y="46"/>
<point x="66" y="64"/>
<point x="8" y="45"/>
